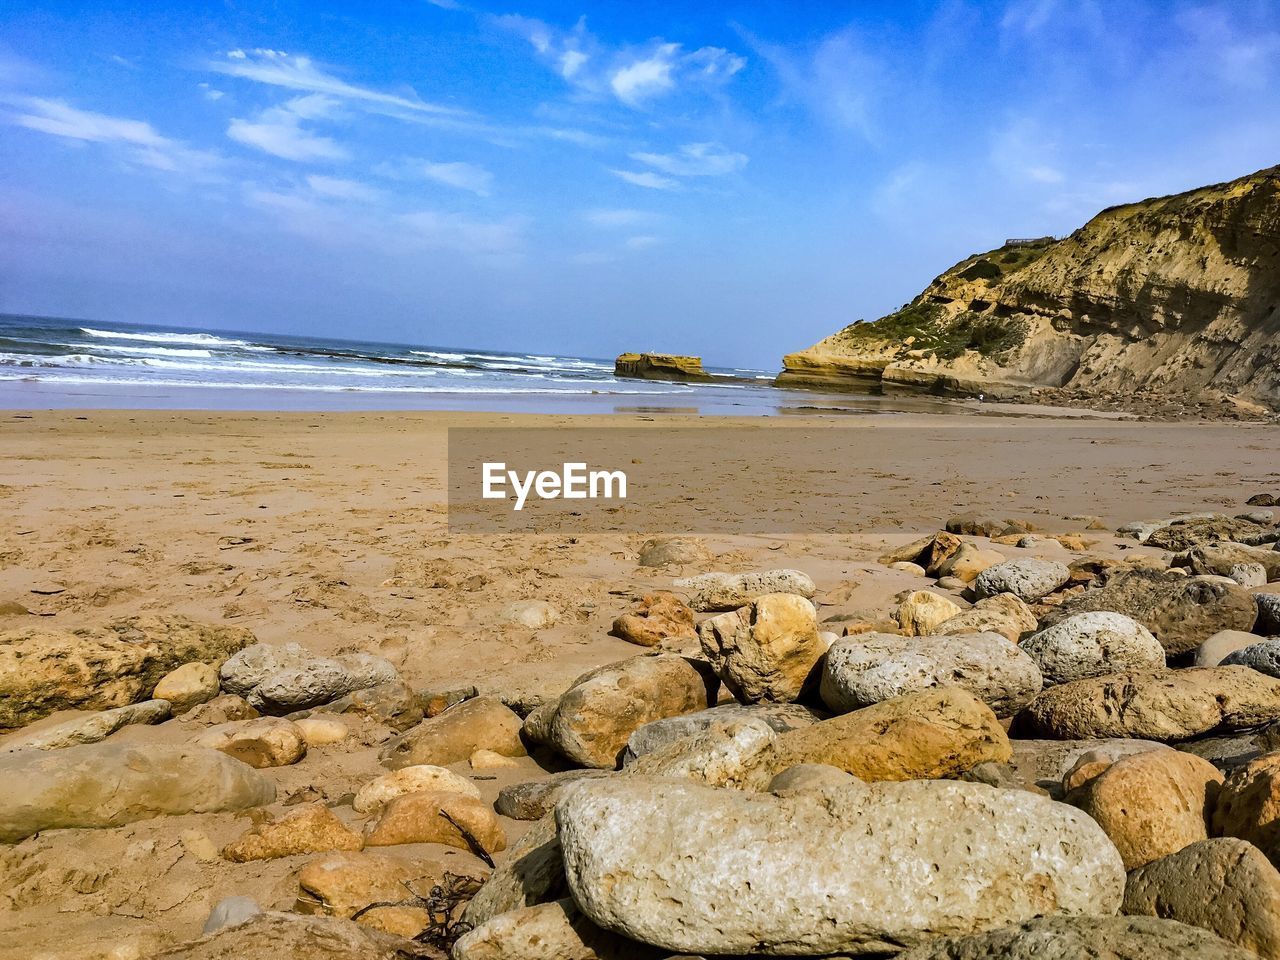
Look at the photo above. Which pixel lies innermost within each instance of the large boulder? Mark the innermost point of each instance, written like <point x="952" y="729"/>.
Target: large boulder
<point x="1218" y="559"/>
<point x="857" y="868"/>
<point x="265" y="742"/>
<point x="593" y="719"/>
<point x="1248" y="805"/>
<point x="1092" y="644"/>
<point x="43" y="671"/>
<point x="380" y="791"/>
<point x="534" y="799"/>
<point x="111" y="784"/>
<point x="1268" y="608"/>
<point x="437" y="817"/>
<point x="1151" y="804"/>
<point x="1160" y="705"/>
<point x="1263" y="656"/>
<point x="966" y="563"/>
<point x="1027" y="578"/>
<point x="1224" y="885"/>
<point x="728" y="591"/>
<point x="1182" y="612"/>
<point x="658" y="734"/>
<point x="656" y="619"/>
<point x="1207" y="530"/>
<point x="728" y="755"/>
<point x="928" y="735"/>
<point x="921" y="612"/>
<point x="532" y="872"/>
<point x="284" y="679"/>
<point x="313" y="828"/>
<point x="1004" y="614"/>
<point x="89" y="729"/>
<point x="481" y="723"/>
<point x="188" y="686"/>
<point x="340" y="884"/>
<point x="867" y="668"/>
<point x="1078" y="938"/>
<point x="766" y="650"/>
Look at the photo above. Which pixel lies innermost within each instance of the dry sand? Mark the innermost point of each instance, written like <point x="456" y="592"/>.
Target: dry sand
<point x="329" y="530"/>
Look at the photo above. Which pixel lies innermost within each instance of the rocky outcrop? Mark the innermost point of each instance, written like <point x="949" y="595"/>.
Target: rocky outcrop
<point x="1172" y="295"/>
<point x="659" y="366"/>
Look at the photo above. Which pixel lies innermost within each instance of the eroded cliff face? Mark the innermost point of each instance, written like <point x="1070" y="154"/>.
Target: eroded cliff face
<point x="1173" y="295"/>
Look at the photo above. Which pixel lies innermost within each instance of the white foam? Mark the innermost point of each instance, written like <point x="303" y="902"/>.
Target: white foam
<point x="196" y="338"/>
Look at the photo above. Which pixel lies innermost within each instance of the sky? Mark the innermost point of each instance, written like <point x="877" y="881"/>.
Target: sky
<point x="730" y="180"/>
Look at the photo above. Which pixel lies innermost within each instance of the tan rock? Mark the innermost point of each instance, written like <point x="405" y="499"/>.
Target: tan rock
<point x="261" y="743"/>
<point x="921" y="612"/>
<point x="285" y="936"/>
<point x="767" y="650"/>
<point x="482" y="722"/>
<point x="437" y="817"/>
<point x="1004" y="614"/>
<point x="488" y="760"/>
<point x="1222" y="644"/>
<point x="424" y="778"/>
<point x="340" y="884"/>
<point x="322" y="731"/>
<point x="1248" y="805"/>
<point x="43" y="671"/>
<point x="548" y="931"/>
<point x="927" y="736"/>
<point x="188" y="686"/>
<point x="1223" y="885"/>
<point x="591" y="722"/>
<point x="531" y="872"/>
<point x="309" y="829"/>
<point x="92" y="728"/>
<point x="967" y="562"/>
<point x="1160" y="705"/>
<point x="927" y="551"/>
<point x="223" y="709"/>
<point x="658" y="617"/>
<point x="1151" y="804"/>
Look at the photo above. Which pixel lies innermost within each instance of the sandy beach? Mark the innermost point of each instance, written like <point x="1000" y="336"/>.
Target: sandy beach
<point x="329" y="531"/>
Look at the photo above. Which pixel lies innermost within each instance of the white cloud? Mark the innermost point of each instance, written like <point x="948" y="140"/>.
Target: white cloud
<point x="209" y="92"/>
<point x="624" y="217"/>
<point x="279" y="132"/>
<point x="141" y="143"/>
<point x="695" y="160"/>
<point x="293" y="72"/>
<point x="455" y="232"/>
<point x="647" y="178"/>
<point x="642" y="242"/>
<point x="461" y="176"/>
<point x="647" y="77"/>
<point x="340" y="189"/>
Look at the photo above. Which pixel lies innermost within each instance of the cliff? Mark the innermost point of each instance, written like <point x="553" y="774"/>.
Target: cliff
<point x="1174" y="295"/>
<point x="659" y="366"/>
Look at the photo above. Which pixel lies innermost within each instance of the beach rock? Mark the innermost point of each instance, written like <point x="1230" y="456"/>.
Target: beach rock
<point x="809" y="778"/>
<point x="532" y="872"/>
<point x="188" y="686"/>
<point x="308" y="829"/>
<point x="592" y="721"/>
<point x="280" y="679"/>
<point x="488" y="760"/>
<point x="230" y="912"/>
<point x="1268" y="613"/>
<point x="482" y="722"/>
<point x="1224" y="885"/>
<point x="392" y="704"/>
<point x="1077" y="938"/>
<point x="871" y="667"/>
<point x="928" y="735"/>
<point x="339" y="884"/>
<point x="766" y="650"/>
<point x="864" y="868"/>
<point x="111" y="784"/>
<point x="285" y="936"/>
<point x="437" y="817"/>
<point x="1248" y="805"/>
<point x="658" y="617"/>
<point x="322" y="731"/>
<point x="548" y="931"/>
<point x="91" y="729"/>
<point x="1209" y="530"/>
<point x="380" y="791"/>
<point x="925" y="551"/>
<point x="1151" y="804"/>
<point x="536" y="798"/>
<point x="1233" y="750"/>
<point x="1182" y="612"/>
<point x="921" y="612"/>
<point x="966" y="563"/>
<point x="662" y="551"/>
<point x="222" y="709"/>
<point x="1263" y="656"/>
<point x="975" y="525"/>
<point x="1028" y="578"/>
<point x="903" y="566"/>
<point x="1045" y="763"/>
<point x="1091" y="644"/>
<point x="1168" y="705"/>
<point x="1213" y="651"/>
<point x="43" y="671"/>
<point x="729" y="591"/>
<point x="1004" y="614"/>
<point x="533" y="614"/>
<point x="722" y="756"/>
<point x="261" y="743"/>
<point x="1248" y="574"/>
<point x="662" y="733"/>
<point x="1217" y="559"/>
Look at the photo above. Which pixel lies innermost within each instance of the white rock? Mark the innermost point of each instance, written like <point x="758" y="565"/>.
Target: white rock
<point x="423" y="778"/>
<point x="728" y="591"/>
<point x="1028" y="578"/>
<point x="320" y="731"/>
<point x="1091" y="644"/>
<point x="534" y="614"/>
<point x="1248" y="574"/>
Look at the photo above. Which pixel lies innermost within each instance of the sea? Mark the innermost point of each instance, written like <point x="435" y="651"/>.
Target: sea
<point x="59" y="363"/>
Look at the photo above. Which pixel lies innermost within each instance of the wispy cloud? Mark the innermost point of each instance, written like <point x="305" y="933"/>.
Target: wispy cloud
<point x="647" y="178"/>
<point x="695" y="160"/>
<point x="340" y="189"/>
<point x="622" y="217"/>
<point x="139" y="142"/>
<point x="457" y="232"/>
<point x="279" y="132"/>
<point x="642" y="242"/>
<point x="295" y="72"/>
<point x="461" y="176"/>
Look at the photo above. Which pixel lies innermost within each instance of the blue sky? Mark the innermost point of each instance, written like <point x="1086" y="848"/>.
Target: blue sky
<point x="730" y="180"/>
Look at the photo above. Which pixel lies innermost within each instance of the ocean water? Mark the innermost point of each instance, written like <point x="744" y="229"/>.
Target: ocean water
<point x="48" y="362"/>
